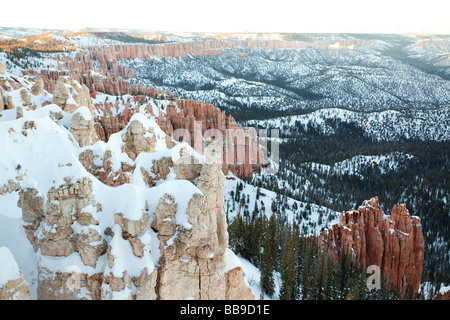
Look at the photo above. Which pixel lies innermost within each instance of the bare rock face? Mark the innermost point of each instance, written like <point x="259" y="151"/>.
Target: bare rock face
<point x="137" y="140"/>
<point x="160" y="169"/>
<point x="236" y="152"/>
<point x="9" y="187"/>
<point x="25" y="97"/>
<point x="13" y="285"/>
<point x="200" y="246"/>
<point x="63" y="202"/>
<point x="443" y="296"/>
<point x="2" y="68"/>
<point x="70" y="95"/>
<point x="186" y="167"/>
<point x="394" y="243"/>
<point x="51" y="226"/>
<point x="236" y="287"/>
<point x="83" y="128"/>
<point x="2" y="99"/>
<point x="61" y="93"/>
<point x="9" y="103"/>
<point x="105" y="171"/>
<point x="240" y="156"/>
<point x="68" y="285"/>
<point x="119" y="283"/>
<point x="211" y="182"/>
<point x="110" y="124"/>
<point x="32" y="204"/>
<point x="132" y="228"/>
<point x="38" y="87"/>
<point x="170" y="246"/>
<point x="192" y="265"/>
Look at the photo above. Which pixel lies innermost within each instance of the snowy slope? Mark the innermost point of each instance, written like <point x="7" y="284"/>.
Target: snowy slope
<point x="384" y="125"/>
<point x="39" y="152"/>
<point x="367" y="78"/>
<point x="310" y="217"/>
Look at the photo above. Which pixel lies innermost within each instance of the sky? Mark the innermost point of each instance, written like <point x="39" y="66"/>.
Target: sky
<point x="379" y="16"/>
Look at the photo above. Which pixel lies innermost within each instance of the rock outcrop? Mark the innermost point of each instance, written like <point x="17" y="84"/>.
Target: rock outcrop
<point x="2" y="99"/>
<point x="137" y="217"/>
<point x="69" y="95"/>
<point x="38" y="86"/>
<point x="394" y="243"/>
<point x="242" y="154"/>
<point x="83" y="127"/>
<point x="26" y="93"/>
<point x="13" y="285"/>
<point x="164" y="239"/>
<point x="98" y="81"/>
<point x="9" y="103"/>
<point x="236" y="288"/>
<point x="2" y="68"/>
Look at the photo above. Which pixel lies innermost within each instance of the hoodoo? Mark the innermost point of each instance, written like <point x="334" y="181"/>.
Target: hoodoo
<point x="394" y="243"/>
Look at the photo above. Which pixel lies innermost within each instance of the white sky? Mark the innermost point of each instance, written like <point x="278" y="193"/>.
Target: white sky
<point x="382" y="16"/>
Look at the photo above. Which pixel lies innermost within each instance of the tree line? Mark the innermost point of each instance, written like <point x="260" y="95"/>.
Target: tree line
<point x="307" y="270"/>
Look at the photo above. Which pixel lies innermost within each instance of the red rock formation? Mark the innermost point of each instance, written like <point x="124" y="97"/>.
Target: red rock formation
<point x="394" y="243"/>
<point x="242" y="154"/>
<point x="208" y="47"/>
<point x="112" y="76"/>
<point x="236" y="152"/>
<point x="183" y="114"/>
<point x="105" y="81"/>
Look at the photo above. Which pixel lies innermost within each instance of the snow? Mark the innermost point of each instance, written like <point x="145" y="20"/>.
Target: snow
<point x="89" y="40"/>
<point x="309" y="224"/>
<point x="387" y="125"/>
<point x="252" y="277"/>
<point x="232" y="260"/>
<point x="12" y="235"/>
<point x="182" y="191"/>
<point x="9" y="270"/>
<point x="430" y="290"/>
<point x="46" y="146"/>
<point x="8" y="206"/>
<point x="43" y="112"/>
<point x="70" y="263"/>
<point x="124" y="258"/>
<point x="45" y="155"/>
<point x="444" y="289"/>
<point x="385" y="162"/>
<point x="85" y="113"/>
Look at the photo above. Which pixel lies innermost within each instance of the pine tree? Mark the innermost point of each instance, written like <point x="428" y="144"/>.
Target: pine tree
<point x="235" y="232"/>
<point x="288" y="266"/>
<point x="269" y="256"/>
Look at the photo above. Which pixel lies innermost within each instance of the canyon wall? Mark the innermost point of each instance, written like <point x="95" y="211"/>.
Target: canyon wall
<point x="138" y="217"/>
<point x="242" y="154"/>
<point x="100" y="68"/>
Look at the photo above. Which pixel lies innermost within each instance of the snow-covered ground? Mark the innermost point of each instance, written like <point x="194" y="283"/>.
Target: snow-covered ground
<point x="253" y="278"/>
<point x="356" y="164"/>
<point x="310" y="217"/>
<point x="430" y="291"/>
<point x="382" y="125"/>
<point x="8" y="266"/>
